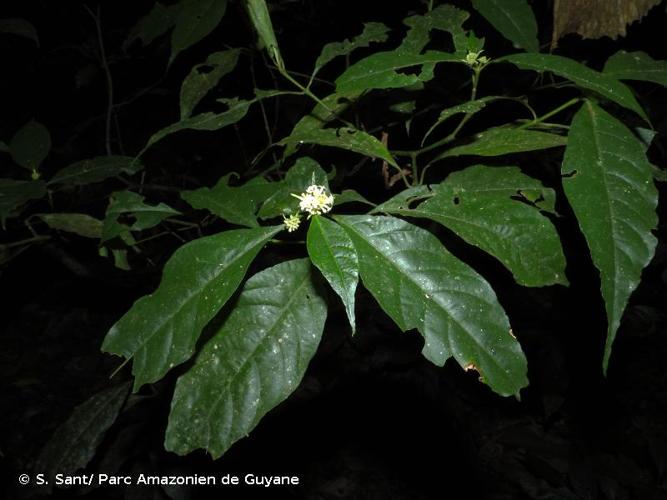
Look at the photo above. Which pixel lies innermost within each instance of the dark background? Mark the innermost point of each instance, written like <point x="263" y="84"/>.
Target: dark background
<point x="372" y="418"/>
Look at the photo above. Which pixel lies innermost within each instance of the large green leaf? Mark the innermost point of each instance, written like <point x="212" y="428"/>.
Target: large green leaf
<point x="445" y="18"/>
<point x="261" y="20"/>
<point x="613" y="196"/>
<point x="373" y="32"/>
<point x="30" y="145"/>
<point x="333" y="253"/>
<point x="156" y="23"/>
<point x="161" y="329"/>
<point x="203" y="77"/>
<point x="13" y="194"/>
<point x="75" y="441"/>
<point x="302" y="174"/>
<point x="581" y="75"/>
<point x="636" y="66"/>
<point x="237" y="205"/>
<point x="195" y="20"/>
<point x="348" y="138"/>
<point x="514" y="19"/>
<point x="421" y="285"/>
<point x="382" y="70"/>
<point x="489" y="208"/>
<point x="81" y="224"/>
<point x="96" y="170"/>
<point x="502" y="141"/>
<point x="254" y="362"/>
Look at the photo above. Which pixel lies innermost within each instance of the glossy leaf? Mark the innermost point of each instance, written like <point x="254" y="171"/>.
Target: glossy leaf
<point x="195" y="20"/>
<point x="469" y="107"/>
<point x="161" y="329"/>
<point x="75" y="441"/>
<point x="419" y="284"/>
<point x="344" y="138"/>
<point x="381" y="70"/>
<point x="373" y="32"/>
<point x="30" y="145"/>
<point x="302" y="174"/>
<point x="14" y="194"/>
<point x="253" y="363"/>
<point x="636" y="66"/>
<point x="237" y="205"/>
<point x="489" y="207"/>
<point x="514" y="19"/>
<point x="331" y="250"/>
<point x="156" y="23"/>
<point x="613" y="196"/>
<point x="203" y="77"/>
<point x="503" y="141"/>
<point x="261" y="20"/>
<point x="19" y="27"/>
<point x="81" y="224"/>
<point x="96" y="170"/>
<point x="350" y="196"/>
<point x="581" y="75"/>
<point x="129" y="203"/>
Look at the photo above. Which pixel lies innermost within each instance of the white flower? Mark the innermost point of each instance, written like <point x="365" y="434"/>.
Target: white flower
<point x="316" y="200"/>
<point x="292" y="222"/>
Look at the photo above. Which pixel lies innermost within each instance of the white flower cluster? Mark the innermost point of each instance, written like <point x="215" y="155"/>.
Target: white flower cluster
<point x="292" y="222"/>
<point x="475" y="59"/>
<point x="315" y="201"/>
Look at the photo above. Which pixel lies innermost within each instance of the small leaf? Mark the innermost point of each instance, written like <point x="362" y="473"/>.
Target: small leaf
<point x="253" y="363"/>
<point x="636" y="66"/>
<point x="373" y="32"/>
<point x="581" y="75"/>
<point x="303" y="173"/>
<point x="514" y="19"/>
<point x="75" y="441"/>
<point x="161" y="329"/>
<point x="445" y="18"/>
<point x="331" y="250"/>
<point x="30" y="145"/>
<point x="419" y="284"/>
<point x="237" y="205"/>
<point x="470" y="107"/>
<point x="503" y="141"/>
<point x="4" y="148"/>
<point x="14" y="194"/>
<point x="381" y="70"/>
<point x="96" y="170"/>
<point x="483" y="205"/>
<point x="19" y="27"/>
<point x="203" y="77"/>
<point x="261" y="20"/>
<point x="613" y="196"/>
<point x="195" y="20"/>
<point x="81" y="224"/>
<point x="156" y="23"/>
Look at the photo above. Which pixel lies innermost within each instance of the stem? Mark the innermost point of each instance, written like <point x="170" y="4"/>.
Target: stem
<point x="551" y="113"/>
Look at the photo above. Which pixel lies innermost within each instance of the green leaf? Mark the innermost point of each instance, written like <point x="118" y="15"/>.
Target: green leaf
<point x="203" y="77"/>
<point x="445" y="18"/>
<point x="487" y="207"/>
<point x="30" y="145"/>
<point x="502" y="141"/>
<point x="348" y="138"/>
<point x="14" y="194"/>
<point x="156" y="23"/>
<point x="303" y="173"/>
<point x="613" y="196"/>
<point x="4" y="148"/>
<point x="19" y="27"/>
<point x="331" y="250"/>
<point x="253" y="363"/>
<point x="75" y="441"/>
<point x="195" y="20"/>
<point x="261" y="20"/>
<point x="237" y="205"/>
<point x="581" y="75"/>
<point x="161" y="329"/>
<point x="205" y="121"/>
<point x="381" y="70"/>
<point x="514" y="19"/>
<point x="373" y="32"/>
<point x="350" y="196"/>
<point x="129" y="203"/>
<point x="96" y="170"/>
<point x="636" y="66"/>
<point x="419" y="284"/>
<point x="81" y="224"/>
<point x="470" y="107"/>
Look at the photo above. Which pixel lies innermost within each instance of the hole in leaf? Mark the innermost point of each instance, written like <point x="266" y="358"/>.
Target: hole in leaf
<point x="457" y="200"/>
